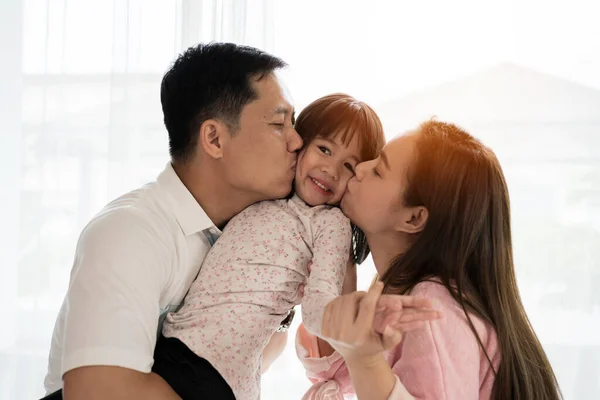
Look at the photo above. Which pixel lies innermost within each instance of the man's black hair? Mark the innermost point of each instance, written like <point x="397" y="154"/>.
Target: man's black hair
<point x="209" y="81"/>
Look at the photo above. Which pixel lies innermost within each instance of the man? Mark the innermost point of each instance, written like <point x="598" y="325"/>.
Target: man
<point x="232" y="143"/>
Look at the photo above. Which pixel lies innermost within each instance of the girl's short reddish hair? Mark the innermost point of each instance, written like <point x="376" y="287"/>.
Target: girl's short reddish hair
<point x="341" y="114"/>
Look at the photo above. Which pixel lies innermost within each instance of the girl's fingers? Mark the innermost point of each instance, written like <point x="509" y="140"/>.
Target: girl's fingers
<point x="419" y="315"/>
<point x="391" y="337"/>
<point x="392" y="318"/>
<point x="389" y="301"/>
<point x="399" y="302"/>
<point x="409" y="326"/>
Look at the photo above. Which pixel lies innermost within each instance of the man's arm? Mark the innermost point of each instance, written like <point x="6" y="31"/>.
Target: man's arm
<point x="120" y="270"/>
<point x="100" y="383"/>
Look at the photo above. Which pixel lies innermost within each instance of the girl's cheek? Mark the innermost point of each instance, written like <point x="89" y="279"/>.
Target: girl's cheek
<point x="300" y="159"/>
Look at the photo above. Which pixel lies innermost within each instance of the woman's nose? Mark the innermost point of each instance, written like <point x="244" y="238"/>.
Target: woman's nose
<point x="360" y="170"/>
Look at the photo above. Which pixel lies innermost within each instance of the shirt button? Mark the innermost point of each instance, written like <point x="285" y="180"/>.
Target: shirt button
<point x="213" y="231"/>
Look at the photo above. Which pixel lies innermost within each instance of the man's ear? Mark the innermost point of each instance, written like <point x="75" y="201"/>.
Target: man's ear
<point x="412" y="220"/>
<point x="212" y="138"/>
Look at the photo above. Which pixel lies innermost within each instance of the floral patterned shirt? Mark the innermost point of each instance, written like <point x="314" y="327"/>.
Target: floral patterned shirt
<point x="249" y="281"/>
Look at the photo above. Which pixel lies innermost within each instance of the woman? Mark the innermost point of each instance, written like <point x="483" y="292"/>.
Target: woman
<point x="435" y="210"/>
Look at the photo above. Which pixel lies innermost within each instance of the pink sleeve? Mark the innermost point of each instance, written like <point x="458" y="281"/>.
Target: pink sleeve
<point x="440" y="361"/>
<point x="329" y="375"/>
<point x="331" y="250"/>
<point x="330" y="378"/>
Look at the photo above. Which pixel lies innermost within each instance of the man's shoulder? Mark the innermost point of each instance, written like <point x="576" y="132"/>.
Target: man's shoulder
<point x="145" y="199"/>
<point x="131" y="230"/>
<point x="145" y="209"/>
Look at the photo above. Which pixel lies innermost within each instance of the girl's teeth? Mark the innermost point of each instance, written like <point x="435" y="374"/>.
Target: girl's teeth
<point x="320" y="185"/>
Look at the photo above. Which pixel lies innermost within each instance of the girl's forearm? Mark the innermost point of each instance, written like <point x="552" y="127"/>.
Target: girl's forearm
<point x="349" y="286"/>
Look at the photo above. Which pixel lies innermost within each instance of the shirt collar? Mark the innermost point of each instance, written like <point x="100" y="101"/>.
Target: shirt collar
<point x="189" y="214"/>
<point x="298" y="200"/>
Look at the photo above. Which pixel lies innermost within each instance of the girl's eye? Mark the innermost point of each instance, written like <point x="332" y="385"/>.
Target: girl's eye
<point x="325" y="150"/>
<point x="350" y="167"/>
<point x="278" y="125"/>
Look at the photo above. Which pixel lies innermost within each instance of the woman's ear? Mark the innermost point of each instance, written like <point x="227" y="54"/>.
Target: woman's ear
<point x="412" y="220"/>
<point x="212" y="138"/>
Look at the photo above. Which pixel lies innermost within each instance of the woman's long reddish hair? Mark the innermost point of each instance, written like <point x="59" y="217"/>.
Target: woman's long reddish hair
<point x="466" y="244"/>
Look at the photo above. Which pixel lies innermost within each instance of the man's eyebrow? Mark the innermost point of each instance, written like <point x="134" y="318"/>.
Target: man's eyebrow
<point x="385" y="160"/>
<point x="285" y="111"/>
<point x="282" y="110"/>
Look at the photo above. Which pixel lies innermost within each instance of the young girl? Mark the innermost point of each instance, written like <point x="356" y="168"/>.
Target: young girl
<point x="249" y="280"/>
<point x="435" y="210"/>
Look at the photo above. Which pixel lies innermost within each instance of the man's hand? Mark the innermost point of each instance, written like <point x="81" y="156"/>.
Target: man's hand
<point x="115" y="383"/>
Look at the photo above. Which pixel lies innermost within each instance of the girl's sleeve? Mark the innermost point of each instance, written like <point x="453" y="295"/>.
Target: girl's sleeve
<point x="328" y="374"/>
<point x="331" y="249"/>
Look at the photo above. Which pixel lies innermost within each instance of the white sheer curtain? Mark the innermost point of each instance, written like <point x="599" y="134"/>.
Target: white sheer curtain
<point x="81" y="124"/>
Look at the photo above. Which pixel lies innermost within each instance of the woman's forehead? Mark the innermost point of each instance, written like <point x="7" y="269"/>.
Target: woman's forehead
<point x="399" y="151"/>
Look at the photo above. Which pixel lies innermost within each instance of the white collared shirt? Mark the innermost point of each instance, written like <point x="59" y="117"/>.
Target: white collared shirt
<point x="134" y="261"/>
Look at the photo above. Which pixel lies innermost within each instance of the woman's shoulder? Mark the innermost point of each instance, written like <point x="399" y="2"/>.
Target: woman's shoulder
<point x="454" y="315"/>
<point x="434" y="289"/>
<point x="441" y="298"/>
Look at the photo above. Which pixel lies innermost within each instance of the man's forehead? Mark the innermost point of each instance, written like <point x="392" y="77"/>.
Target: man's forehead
<point x="285" y="90"/>
<point x="277" y="105"/>
<point x="276" y="85"/>
<point x="273" y="96"/>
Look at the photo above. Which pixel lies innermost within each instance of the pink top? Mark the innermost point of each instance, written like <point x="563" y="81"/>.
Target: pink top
<point x="249" y="281"/>
<point x="443" y="360"/>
